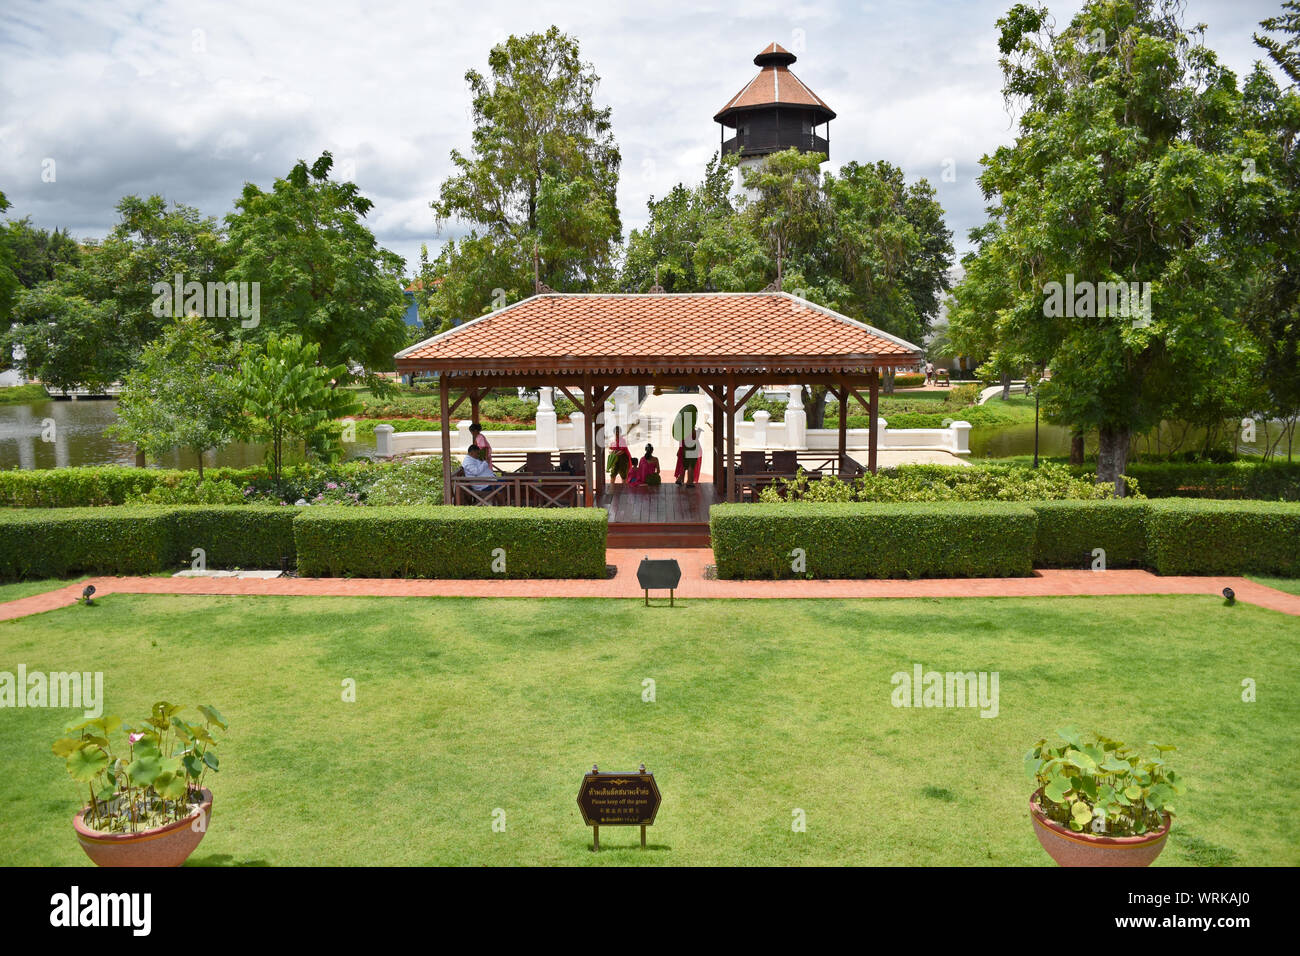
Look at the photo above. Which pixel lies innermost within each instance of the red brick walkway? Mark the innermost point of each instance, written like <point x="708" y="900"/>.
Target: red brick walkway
<point x="694" y="585"/>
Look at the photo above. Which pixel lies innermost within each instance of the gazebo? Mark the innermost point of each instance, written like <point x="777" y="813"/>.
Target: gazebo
<point x="728" y="344"/>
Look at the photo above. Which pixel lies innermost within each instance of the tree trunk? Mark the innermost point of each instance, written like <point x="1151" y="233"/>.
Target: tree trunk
<point x="1112" y="457"/>
<point x="887" y="382"/>
<point x="200" y="451"/>
<point x="139" y="458"/>
<point x="1076" y="448"/>
<point x="1006" y="386"/>
<point x="815" y="406"/>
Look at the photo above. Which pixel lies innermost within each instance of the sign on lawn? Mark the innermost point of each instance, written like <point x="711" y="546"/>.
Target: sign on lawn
<point x="618" y="800"/>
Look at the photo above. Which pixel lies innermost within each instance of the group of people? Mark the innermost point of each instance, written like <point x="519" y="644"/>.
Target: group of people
<point x="621" y="464"/>
<point x="642" y="472"/>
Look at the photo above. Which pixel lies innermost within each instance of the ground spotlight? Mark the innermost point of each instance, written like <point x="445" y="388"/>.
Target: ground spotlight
<point x="86" y="593"/>
<point x="1231" y="595"/>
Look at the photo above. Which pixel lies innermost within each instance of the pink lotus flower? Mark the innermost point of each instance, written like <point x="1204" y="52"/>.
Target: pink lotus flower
<point x="134" y="738"/>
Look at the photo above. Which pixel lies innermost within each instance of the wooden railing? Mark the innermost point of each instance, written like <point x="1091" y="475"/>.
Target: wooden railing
<point x="520" y="490"/>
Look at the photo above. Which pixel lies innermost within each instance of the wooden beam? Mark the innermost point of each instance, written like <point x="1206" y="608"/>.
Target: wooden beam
<point x="446" y="440"/>
<point x="842" y="393"/>
<point x="719" y="425"/>
<point x="731" y="438"/>
<point x="589" y="439"/>
<point x="601" y="395"/>
<point x="873" y="411"/>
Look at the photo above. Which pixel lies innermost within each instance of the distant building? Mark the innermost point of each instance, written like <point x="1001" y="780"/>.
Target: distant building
<point x="775" y="111"/>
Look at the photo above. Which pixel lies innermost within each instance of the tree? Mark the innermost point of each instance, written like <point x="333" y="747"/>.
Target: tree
<point x="38" y="253"/>
<point x="1123" y="171"/>
<point x="9" y="282"/>
<point x="183" y="393"/>
<point x="288" y="397"/>
<point x="667" y="248"/>
<point x="859" y="241"/>
<point x="320" y="273"/>
<point x="1271" y="305"/>
<point x="88" y="325"/>
<point x="542" y="173"/>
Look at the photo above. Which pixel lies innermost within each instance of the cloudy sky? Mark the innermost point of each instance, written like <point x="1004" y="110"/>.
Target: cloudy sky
<point x="192" y="99"/>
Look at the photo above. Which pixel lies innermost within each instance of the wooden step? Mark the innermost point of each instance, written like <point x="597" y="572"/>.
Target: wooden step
<point x="658" y="535"/>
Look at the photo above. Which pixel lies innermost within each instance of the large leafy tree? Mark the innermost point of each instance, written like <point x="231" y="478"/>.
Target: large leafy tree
<point x="182" y="393"/>
<point x="9" y="282"/>
<point x="1123" y="170"/>
<point x="290" y="399"/>
<point x="542" y="174"/>
<point x="37" y="253"/>
<point x="89" y="324"/>
<point x="692" y="225"/>
<point x="321" y="273"/>
<point x="1271" y="303"/>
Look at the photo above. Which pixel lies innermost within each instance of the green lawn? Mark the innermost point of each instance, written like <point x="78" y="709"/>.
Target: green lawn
<point x="1289" y="585"/>
<point x="468" y="706"/>
<point x="14" y="590"/>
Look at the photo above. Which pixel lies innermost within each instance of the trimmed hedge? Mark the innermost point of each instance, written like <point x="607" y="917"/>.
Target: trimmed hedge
<point x="141" y="539"/>
<point x="1069" y="531"/>
<point x="851" y="540"/>
<point x="1262" y="480"/>
<point x="56" y="543"/>
<point x="234" y="536"/>
<point x="1224" y="537"/>
<point x="441" y="541"/>
<point x="980" y="539"/>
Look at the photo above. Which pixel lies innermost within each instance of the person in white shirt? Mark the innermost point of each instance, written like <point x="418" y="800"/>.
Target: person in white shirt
<point x="476" y="466"/>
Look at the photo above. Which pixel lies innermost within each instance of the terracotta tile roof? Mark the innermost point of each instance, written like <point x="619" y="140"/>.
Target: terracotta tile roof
<point x="759" y="330"/>
<point x="774" y="85"/>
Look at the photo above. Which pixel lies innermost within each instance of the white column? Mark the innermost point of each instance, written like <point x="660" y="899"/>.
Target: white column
<point x="761" y="418"/>
<point x="796" y="419"/>
<point x="383" y="440"/>
<point x="960" y="437"/>
<point x="546" y="437"/>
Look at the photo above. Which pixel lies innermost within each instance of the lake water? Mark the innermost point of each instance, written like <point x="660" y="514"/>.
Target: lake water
<point x="79" y="439"/>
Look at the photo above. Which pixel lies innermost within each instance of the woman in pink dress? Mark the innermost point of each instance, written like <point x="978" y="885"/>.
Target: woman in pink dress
<point x="646" y="471"/>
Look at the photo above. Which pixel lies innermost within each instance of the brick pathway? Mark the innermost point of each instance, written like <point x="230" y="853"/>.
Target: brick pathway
<point x="694" y="585"/>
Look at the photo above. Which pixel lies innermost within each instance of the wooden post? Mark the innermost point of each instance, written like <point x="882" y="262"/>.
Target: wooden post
<point x="873" y="412"/>
<point x="719" y="426"/>
<point x="843" y="394"/>
<point x="595" y="839"/>
<point x="474" y="397"/>
<point x="731" y="436"/>
<point x="643" y="836"/>
<point x="600" y="452"/>
<point x="588" y="437"/>
<point x="446" y="439"/>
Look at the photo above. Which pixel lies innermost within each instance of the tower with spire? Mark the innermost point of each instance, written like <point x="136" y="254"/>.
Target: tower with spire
<point x="774" y="111"/>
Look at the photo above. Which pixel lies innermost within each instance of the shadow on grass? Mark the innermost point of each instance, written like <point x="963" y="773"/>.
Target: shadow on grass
<point x="222" y="859"/>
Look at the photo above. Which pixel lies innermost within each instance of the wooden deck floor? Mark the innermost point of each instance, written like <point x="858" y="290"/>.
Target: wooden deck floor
<point x="667" y="516"/>
<point x="667" y="504"/>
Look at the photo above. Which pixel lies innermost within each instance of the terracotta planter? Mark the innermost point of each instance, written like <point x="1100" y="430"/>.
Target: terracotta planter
<point x="1068" y="848"/>
<point x="170" y="845"/>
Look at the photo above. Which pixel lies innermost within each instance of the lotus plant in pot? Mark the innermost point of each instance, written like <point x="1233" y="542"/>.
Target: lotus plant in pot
<point x="146" y="799"/>
<point x="1099" y="801"/>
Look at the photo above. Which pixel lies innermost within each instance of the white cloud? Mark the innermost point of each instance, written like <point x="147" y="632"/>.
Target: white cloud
<point x="192" y="99"/>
